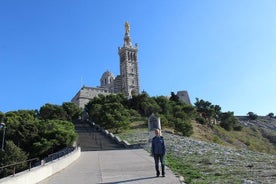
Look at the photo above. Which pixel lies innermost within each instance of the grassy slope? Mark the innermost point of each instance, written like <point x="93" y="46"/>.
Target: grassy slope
<point x="249" y="138"/>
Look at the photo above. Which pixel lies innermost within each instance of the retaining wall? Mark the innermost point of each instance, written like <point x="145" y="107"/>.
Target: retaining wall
<point x="42" y="172"/>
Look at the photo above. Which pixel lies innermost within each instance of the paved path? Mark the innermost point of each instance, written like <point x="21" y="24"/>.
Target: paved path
<point x="114" y="166"/>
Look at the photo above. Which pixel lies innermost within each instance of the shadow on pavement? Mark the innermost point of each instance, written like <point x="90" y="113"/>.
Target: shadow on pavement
<point x="126" y="181"/>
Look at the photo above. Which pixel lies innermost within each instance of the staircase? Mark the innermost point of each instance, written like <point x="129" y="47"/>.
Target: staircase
<point x="91" y="139"/>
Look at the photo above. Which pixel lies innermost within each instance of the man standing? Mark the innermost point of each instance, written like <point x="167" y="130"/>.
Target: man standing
<point x="158" y="151"/>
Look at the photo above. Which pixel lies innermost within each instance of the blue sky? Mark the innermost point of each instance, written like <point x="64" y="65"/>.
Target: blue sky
<point x="220" y="51"/>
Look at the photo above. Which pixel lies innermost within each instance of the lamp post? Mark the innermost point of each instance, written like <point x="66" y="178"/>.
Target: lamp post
<point x="2" y="125"/>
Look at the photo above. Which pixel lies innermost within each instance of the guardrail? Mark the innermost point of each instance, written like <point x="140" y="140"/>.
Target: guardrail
<point x="43" y="170"/>
<point x="58" y="154"/>
<point x="19" y="163"/>
<point x="38" y="162"/>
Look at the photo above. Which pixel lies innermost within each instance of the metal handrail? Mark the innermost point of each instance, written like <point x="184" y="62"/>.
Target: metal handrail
<point x="50" y="158"/>
<point x="18" y="163"/>
<point x="59" y="154"/>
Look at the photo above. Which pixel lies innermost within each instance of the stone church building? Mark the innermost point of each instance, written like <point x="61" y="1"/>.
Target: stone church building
<point x="127" y="82"/>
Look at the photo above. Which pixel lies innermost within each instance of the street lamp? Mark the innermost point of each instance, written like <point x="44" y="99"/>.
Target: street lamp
<point x="2" y="125"/>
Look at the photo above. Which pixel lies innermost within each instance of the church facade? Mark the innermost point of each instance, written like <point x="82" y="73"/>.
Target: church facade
<point x="127" y="82"/>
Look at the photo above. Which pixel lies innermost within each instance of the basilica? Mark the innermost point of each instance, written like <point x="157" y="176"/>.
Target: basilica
<point x="127" y="82"/>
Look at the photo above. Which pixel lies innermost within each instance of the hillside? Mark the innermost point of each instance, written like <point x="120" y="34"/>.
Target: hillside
<point x="256" y="135"/>
<point x="213" y="155"/>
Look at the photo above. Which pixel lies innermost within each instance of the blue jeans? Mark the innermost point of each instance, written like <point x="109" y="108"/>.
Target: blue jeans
<point x="160" y="157"/>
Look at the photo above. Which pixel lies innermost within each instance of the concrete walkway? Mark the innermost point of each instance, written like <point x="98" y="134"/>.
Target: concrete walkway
<point x="114" y="166"/>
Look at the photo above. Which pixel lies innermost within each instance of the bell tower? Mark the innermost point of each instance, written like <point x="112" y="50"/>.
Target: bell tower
<point x="129" y="74"/>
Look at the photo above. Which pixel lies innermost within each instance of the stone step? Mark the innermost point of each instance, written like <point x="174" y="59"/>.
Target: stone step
<point x="91" y="139"/>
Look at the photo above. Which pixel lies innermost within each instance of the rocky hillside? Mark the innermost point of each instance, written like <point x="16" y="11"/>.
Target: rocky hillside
<point x="220" y="156"/>
<point x="264" y="122"/>
<point x="257" y="135"/>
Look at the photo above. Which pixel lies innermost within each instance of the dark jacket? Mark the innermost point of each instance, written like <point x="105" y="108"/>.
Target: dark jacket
<point x="158" y="145"/>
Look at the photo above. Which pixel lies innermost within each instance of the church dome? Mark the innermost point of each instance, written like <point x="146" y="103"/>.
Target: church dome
<point x="107" y="78"/>
<point x="108" y="74"/>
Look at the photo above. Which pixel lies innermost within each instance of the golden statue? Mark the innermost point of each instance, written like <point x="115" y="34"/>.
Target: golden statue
<point x="127" y="27"/>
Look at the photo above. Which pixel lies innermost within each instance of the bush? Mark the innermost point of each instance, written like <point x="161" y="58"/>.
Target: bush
<point x="216" y="139"/>
<point x="201" y="120"/>
<point x="238" y="128"/>
<point x="252" y="116"/>
<point x="184" y="127"/>
<point x="228" y="121"/>
<point x="164" y="120"/>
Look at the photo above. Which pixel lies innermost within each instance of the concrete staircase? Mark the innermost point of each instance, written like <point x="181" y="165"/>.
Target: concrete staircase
<point x="91" y="139"/>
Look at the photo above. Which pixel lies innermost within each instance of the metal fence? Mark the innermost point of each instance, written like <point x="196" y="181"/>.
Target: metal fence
<point x="14" y="165"/>
<point x="58" y="154"/>
<point x="34" y="162"/>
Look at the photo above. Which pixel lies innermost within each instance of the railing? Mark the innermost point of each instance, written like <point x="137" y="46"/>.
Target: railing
<point x="58" y="154"/>
<point x="31" y="162"/>
<point x="19" y="163"/>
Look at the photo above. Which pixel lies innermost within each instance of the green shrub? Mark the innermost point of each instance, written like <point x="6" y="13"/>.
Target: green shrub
<point x="237" y="128"/>
<point x="201" y="120"/>
<point x="216" y="139"/>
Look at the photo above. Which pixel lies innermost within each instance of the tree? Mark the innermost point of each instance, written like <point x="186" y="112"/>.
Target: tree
<point x="206" y="109"/>
<point x="2" y="115"/>
<point x="38" y="137"/>
<point x="109" y="112"/>
<point x="252" y="115"/>
<point x="12" y="154"/>
<point x="271" y="115"/>
<point x="184" y="127"/>
<point x="72" y="111"/>
<point x="165" y="122"/>
<point x="144" y="104"/>
<point x="189" y="110"/>
<point x="217" y="111"/>
<point x="21" y="128"/>
<point x="178" y="111"/>
<point x="164" y="104"/>
<point x="50" y="111"/>
<point x="174" y="97"/>
<point x="115" y="116"/>
<point x="228" y="121"/>
<point x="54" y="135"/>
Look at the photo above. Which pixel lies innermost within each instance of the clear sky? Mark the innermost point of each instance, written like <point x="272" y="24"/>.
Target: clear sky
<point x="219" y="51"/>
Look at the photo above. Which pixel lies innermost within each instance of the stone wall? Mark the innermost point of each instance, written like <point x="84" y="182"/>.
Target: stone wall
<point x="86" y="94"/>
